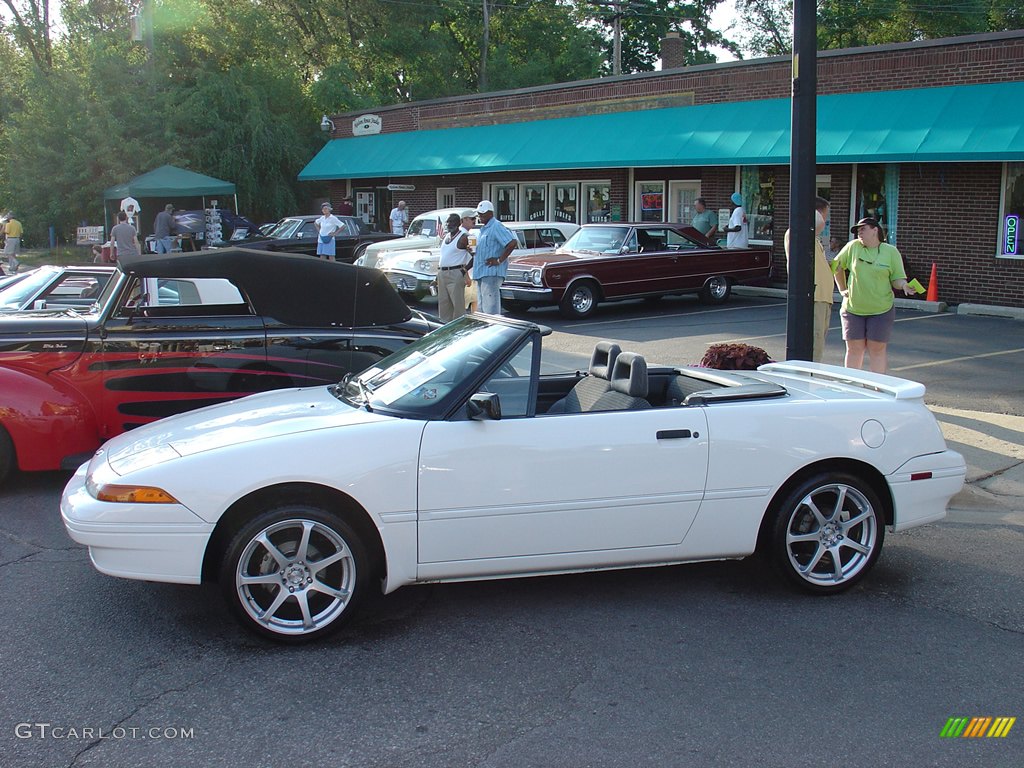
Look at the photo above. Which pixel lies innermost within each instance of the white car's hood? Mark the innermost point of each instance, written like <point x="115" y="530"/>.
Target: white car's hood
<point x="257" y="417"/>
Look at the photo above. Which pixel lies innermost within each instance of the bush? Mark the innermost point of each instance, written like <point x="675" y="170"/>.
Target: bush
<point x="734" y="357"/>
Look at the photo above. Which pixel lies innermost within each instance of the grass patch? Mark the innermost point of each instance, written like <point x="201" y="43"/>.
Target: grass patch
<point x="62" y="256"/>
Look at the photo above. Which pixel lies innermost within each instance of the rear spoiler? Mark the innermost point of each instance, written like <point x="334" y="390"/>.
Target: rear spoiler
<point x="899" y="389"/>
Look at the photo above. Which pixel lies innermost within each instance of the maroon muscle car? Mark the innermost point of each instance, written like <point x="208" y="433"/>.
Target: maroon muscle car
<point x="609" y="262"/>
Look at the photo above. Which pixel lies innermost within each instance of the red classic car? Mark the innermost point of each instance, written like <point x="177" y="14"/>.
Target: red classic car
<point x="168" y="334"/>
<point x="609" y="262"/>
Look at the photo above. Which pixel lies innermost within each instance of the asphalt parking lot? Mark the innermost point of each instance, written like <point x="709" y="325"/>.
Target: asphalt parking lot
<point x="704" y="665"/>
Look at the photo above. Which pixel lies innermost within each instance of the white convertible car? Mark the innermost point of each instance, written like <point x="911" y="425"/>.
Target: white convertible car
<point x="457" y="458"/>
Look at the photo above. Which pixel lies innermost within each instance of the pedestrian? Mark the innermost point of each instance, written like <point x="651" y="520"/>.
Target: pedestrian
<point x="12" y="231"/>
<point x="835" y="245"/>
<point x="704" y="221"/>
<point x="345" y="208"/>
<point x="494" y="244"/>
<point x="824" y="285"/>
<point x="875" y="268"/>
<point x="451" y="269"/>
<point x="163" y="227"/>
<point x="327" y="226"/>
<point x="399" y="218"/>
<point x="736" y="232"/>
<point x="125" y="237"/>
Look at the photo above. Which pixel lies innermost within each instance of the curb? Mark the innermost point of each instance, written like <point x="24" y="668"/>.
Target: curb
<point x="1015" y="313"/>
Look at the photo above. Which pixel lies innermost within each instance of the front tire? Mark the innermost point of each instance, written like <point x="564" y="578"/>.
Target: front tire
<point x="514" y="307"/>
<point x="8" y="458"/>
<point x="580" y="300"/>
<point x="295" y="573"/>
<point x="716" y="290"/>
<point x="828" y="532"/>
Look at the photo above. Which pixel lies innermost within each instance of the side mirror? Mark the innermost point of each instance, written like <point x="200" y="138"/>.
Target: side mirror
<point x="484" y="406"/>
<point x="39" y="304"/>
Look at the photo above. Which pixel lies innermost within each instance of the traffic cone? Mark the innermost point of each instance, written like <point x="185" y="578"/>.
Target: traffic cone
<point x="933" y="286"/>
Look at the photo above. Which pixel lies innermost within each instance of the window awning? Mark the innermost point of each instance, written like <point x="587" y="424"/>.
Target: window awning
<point x="966" y="123"/>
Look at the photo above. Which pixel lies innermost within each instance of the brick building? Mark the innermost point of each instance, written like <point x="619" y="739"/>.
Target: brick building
<point x="928" y="136"/>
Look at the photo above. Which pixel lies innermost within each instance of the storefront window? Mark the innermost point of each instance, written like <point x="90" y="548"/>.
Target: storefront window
<point x="871" y="193"/>
<point x="599" y="207"/>
<point x="757" y="186"/>
<point x="534" y="202"/>
<point x="563" y="201"/>
<point x="504" y="198"/>
<point x="1013" y="212"/>
<point x="651" y="200"/>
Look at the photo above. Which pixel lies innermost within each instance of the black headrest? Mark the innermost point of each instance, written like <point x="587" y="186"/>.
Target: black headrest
<point x="603" y="359"/>
<point x="629" y="375"/>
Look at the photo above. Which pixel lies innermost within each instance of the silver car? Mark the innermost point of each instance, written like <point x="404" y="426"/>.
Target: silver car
<point x="412" y="272"/>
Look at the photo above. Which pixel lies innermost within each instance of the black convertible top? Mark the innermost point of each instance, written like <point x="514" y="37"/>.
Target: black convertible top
<point x="294" y="289"/>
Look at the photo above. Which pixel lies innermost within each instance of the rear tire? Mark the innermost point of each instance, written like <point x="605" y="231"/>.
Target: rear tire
<point x="716" y="290"/>
<point x="580" y="300"/>
<point x="828" y="532"/>
<point x="295" y="573"/>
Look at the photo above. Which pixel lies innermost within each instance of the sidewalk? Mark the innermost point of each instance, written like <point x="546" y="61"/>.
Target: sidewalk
<point x="993" y="446"/>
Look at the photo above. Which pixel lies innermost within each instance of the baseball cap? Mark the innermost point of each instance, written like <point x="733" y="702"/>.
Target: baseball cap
<point x="737" y="198"/>
<point x="867" y="221"/>
<point x="469" y="213"/>
<point x="485" y="206"/>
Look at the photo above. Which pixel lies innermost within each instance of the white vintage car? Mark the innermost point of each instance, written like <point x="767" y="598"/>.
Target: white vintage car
<point x="412" y="272"/>
<point x="457" y="458"/>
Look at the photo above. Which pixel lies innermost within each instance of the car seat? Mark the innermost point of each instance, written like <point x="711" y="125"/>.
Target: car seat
<point x="588" y="389"/>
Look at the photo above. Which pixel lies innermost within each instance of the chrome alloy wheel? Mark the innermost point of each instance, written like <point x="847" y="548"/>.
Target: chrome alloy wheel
<point x="718" y="287"/>
<point x="295" y="576"/>
<point x="832" y="534"/>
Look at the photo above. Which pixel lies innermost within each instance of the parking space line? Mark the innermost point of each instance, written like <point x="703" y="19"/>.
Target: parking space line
<point x="957" y="359"/>
<point x="620" y="320"/>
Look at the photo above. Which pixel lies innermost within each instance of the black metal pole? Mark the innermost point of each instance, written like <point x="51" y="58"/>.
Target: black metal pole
<point x="803" y="157"/>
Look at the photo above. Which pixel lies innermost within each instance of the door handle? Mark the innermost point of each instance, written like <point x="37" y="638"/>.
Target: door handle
<point x="675" y="434"/>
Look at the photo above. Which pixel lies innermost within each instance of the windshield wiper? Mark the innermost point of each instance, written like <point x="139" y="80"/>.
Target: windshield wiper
<point x="363" y="391"/>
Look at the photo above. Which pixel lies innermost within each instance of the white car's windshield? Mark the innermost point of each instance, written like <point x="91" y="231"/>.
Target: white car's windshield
<point x="427" y="227"/>
<point x="416" y="378"/>
<point x="16" y="294"/>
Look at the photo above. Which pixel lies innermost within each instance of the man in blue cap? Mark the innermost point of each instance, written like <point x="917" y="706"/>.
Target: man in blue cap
<point x="736" y="232"/>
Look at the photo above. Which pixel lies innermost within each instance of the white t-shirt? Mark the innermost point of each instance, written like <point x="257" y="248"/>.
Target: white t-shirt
<point x="328" y="224"/>
<point x="398" y="218"/>
<point x="737" y="239"/>
<point x="451" y="254"/>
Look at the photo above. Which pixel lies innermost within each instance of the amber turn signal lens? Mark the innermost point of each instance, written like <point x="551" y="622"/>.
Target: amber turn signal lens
<point x="134" y="494"/>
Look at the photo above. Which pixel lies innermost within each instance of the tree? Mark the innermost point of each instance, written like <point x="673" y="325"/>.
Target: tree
<point x="767" y="28"/>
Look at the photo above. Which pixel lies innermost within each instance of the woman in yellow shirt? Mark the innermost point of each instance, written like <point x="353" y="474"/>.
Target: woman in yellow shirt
<point x="875" y="268"/>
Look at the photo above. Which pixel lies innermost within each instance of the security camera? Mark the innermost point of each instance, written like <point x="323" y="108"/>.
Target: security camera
<point x="326" y="124"/>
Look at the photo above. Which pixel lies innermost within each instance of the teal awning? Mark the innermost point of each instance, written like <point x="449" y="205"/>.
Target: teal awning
<point x="170" y="181"/>
<point x="964" y="123"/>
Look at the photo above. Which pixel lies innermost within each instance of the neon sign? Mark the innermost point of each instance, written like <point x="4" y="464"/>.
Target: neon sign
<point x="1011" y="227"/>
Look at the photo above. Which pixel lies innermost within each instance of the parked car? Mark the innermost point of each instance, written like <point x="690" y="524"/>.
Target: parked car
<point x="425" y="231"/>
<point x="413" y="271"/>
<point x="610" y="262"/>
<point x="50" y="287"/>
<point x="461" y="461"/>
<point x="299" y="234"/>
<point x="173" y="333"/>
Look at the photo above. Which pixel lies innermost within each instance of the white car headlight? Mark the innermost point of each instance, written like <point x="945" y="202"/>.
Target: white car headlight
<point x="425" y="265"/>
<point x="535" y="277"/>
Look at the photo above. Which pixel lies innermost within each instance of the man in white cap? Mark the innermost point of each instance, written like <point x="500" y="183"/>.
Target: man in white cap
<point x="327" y="227"/>
<point x="494" y="244"/>
<point x="399" y="218"/>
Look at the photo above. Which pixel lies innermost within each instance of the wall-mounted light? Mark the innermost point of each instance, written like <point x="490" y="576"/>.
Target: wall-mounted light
<point x="326" y="124"/>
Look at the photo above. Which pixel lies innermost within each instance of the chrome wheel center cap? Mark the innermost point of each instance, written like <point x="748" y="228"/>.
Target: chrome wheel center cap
<point x="295" y="576"/>
<point x="831" y="534"/>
